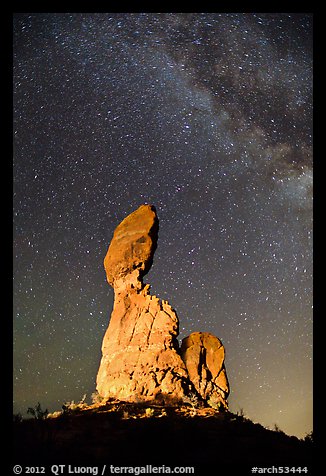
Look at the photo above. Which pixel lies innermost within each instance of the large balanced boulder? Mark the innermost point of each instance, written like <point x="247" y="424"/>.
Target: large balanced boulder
<point x="203" y="355"/>
<point x="133" y="245"/>
<point x="140" y="358"/>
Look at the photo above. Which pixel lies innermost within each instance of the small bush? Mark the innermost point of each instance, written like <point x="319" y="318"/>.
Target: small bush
<point x="54" y="414"/>
<point x="278" y="429"/>
<point x="17" y="417"/>
<point x="191" y="399"/>
<point x="217" y="404"/>
<point x="309" y="438"/>
<point x="97" y="398"/>
<point x="37" y="412"/>
<point x="72" y="406"/>
<point x="240" y="414"/>
<point x="149" y="412"/>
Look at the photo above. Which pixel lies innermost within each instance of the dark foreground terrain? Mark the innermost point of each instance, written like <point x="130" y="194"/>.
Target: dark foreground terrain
<point x="140" y="435"/>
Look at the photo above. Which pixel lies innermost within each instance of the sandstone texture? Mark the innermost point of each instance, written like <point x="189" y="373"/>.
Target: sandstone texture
<point x="141" y="359"/>
<point x="203" y="355"/>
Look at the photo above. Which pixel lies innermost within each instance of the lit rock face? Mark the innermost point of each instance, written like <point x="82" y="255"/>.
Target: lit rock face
<point x="203" y="355"/>
<point x="140" y="359"/>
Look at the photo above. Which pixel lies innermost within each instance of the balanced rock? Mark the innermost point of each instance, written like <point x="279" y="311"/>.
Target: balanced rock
<point x="141" y="359"/>
<point x="203" y="355"/>
<point x="132" y="247"/>
<point x="140" y="352"/>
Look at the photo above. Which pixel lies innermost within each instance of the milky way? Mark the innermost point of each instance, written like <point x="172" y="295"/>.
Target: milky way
<point x="206" y="116"/>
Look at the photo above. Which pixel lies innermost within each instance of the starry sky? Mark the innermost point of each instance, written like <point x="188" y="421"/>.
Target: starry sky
<point x="207" y="116"/>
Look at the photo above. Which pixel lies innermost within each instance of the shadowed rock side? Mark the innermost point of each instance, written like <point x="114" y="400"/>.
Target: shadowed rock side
<point x="204" y="355"/>
<point x="141" y="358"/>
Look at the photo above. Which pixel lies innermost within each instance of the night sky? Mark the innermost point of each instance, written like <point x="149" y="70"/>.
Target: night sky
<point x="206" y="116"/>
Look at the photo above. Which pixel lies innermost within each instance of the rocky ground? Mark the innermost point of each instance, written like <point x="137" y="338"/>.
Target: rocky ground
<point x="141" y="434"/>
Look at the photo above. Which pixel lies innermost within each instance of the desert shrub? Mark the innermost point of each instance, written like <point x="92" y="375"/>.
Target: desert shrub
<point x="216" y="403"/>
<point x="97" y="398"/>
<point x="54" y="414"/>
<point x="72" y="406"/>
<point x="37" y="412"/>
<point x="191" y="399"/>
<point x="17" y="417"/>
<point x="240" y="415"/>
<point x="149" y="412"/>
<point x="309" y="438"/>
<point x="277" y="429"/>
